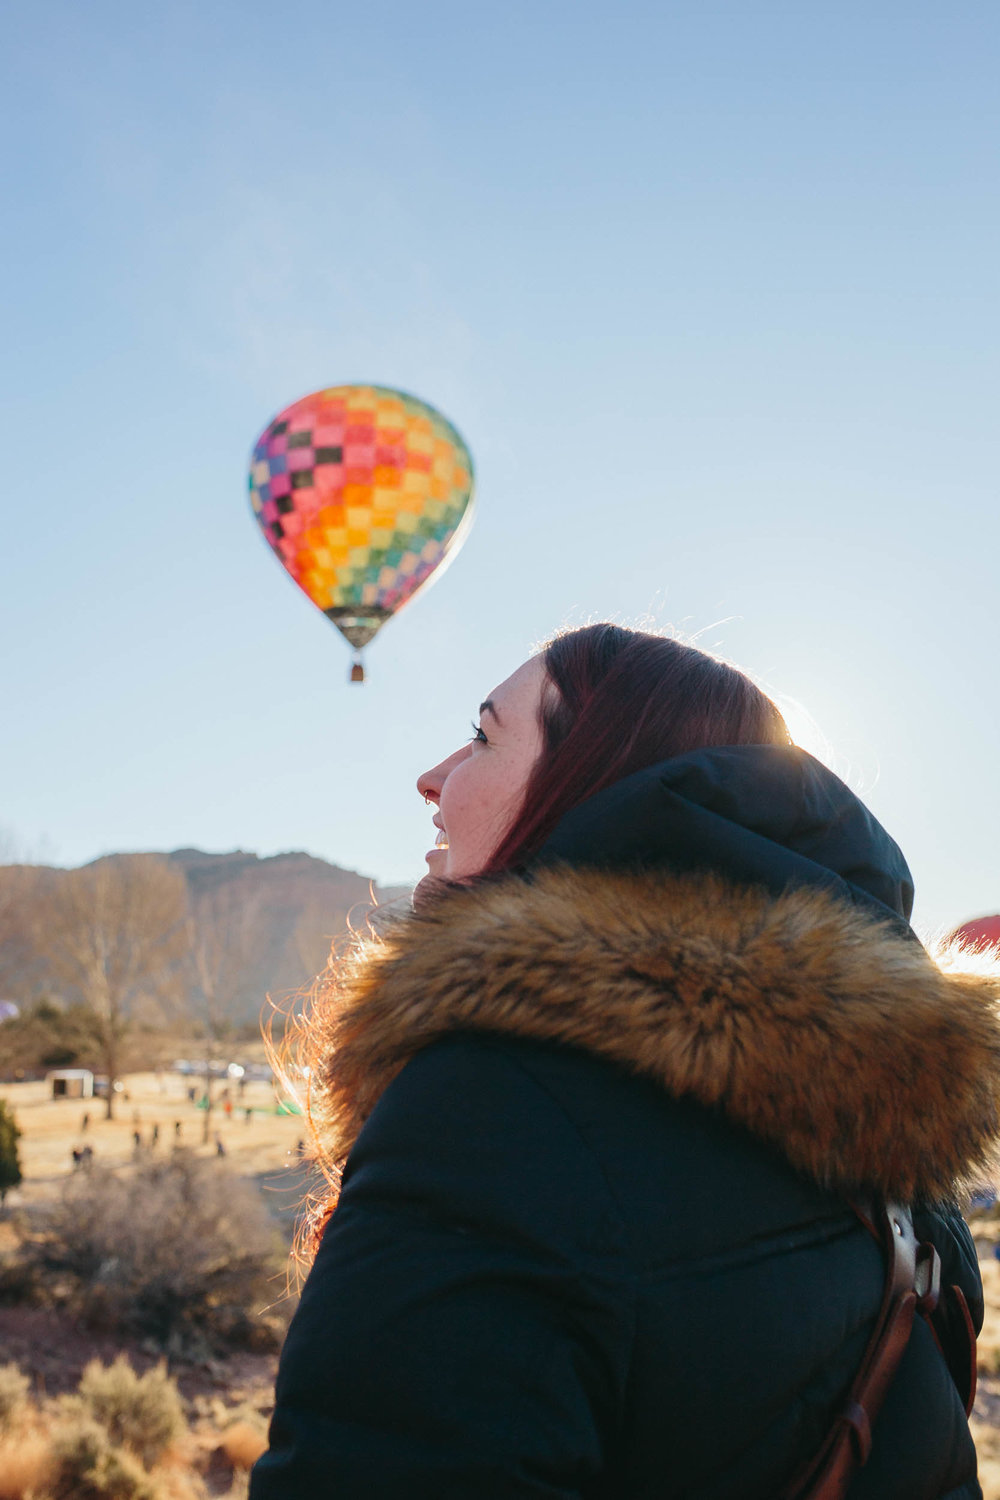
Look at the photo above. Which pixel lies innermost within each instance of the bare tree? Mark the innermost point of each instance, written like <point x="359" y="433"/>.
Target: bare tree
<point x="18" y="916"/>
<point x="323" y="927"/>
<point x="117" y="937"/>
<point x="311" y="939"/>
<point x="223" y="939"/>
<point x="22" y="892"/>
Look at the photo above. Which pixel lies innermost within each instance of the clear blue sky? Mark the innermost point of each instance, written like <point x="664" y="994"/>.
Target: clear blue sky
<point x="710" y="290"/>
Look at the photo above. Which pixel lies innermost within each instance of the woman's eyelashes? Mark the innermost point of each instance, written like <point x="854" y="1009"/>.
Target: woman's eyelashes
<point x="479" y="734"/>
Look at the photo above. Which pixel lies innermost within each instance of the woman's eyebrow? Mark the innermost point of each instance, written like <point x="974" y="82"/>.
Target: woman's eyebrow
<point x="488" y="707"/>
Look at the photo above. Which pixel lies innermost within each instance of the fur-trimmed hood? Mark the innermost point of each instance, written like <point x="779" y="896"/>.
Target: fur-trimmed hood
<point x="807" y="1022"/>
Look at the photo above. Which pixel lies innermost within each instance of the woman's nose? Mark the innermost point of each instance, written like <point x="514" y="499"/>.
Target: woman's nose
<point x="430" y="783"/>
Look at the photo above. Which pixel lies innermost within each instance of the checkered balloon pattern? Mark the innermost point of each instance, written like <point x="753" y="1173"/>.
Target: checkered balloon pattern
<point x="361" y="491"/>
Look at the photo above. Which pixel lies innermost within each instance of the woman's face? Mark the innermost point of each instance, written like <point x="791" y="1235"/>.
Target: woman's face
<point x="479" y="789"/>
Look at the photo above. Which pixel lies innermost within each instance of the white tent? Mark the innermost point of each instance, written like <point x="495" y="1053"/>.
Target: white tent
<point x="71" y="1083"/>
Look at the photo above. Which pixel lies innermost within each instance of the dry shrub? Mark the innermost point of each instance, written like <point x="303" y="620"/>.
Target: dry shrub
<point x="181" y="1250"/>
<point x="87" y="1466"/>
<point x="22" y="1281"/>
<point x="224" y="1416"/>
<point x="141" y="1412"/>
<point x="26" y="1467"/>
<point x="989" y="1459"/>
<point x="243" y="1443"/>
<point x="988" y="1343"/>
<point x="175" y="1484"/>
<point x="13" y="1394"/>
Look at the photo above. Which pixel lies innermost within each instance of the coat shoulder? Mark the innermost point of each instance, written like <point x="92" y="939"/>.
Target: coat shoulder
<point x="472" y="1132"/>
<point x="579" y="1150"/>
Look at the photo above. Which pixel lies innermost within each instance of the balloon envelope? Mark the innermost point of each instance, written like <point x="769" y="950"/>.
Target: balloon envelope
<point x="981" y="933"/>
<point x="363" y="492"/>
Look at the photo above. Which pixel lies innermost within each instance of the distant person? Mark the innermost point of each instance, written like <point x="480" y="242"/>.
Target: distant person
<point x="220" y="1145"/>
<point x="154" y="1138"/>
<point x="77" y="1155"/>
<point x="605" y="1104"/>
<point x="248" y="1115"/>
<point x="85" y="1122"/>
<point x="137" y="1140"/>
<point x="227" y="1106"/>
<point x="177" y="1130"/>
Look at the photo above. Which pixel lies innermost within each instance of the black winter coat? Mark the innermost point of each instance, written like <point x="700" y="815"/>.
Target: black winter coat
<point x="592" y="1240"/>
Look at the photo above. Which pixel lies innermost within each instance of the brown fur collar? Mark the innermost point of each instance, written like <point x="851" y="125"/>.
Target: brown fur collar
<point x="816" y="1028"/>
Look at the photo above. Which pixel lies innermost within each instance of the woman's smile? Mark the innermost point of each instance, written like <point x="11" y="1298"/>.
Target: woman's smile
<point x="440" y="842"/>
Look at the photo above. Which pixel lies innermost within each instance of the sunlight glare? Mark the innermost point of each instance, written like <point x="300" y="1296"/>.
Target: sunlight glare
<point x="805" y="732"/>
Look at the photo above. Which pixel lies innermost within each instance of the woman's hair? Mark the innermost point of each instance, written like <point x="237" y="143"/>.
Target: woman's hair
<point x="618" y="700"/>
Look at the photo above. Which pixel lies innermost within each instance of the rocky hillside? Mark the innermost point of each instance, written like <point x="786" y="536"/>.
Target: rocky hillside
<point x="254" y="927"/>
<point x="276" y="917"/>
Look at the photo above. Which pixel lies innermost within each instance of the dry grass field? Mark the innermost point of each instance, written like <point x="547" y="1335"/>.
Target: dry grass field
<point x="226" y="1401"/>
<point x="264" y="1143"/>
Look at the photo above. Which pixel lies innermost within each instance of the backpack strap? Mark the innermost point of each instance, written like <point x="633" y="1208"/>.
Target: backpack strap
<point x="912" y="1284"/>
<point x="955" y="1334"/>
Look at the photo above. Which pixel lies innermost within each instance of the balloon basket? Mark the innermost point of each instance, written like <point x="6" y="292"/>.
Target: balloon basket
<point x="357" y="673"/>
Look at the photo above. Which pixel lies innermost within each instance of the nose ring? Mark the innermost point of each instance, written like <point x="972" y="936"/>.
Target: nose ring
<point x="427" y="797"/>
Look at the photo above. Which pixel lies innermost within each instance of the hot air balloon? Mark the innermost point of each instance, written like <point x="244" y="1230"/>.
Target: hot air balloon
<point x="363" y="492"/>
<point x="981" y="933"/>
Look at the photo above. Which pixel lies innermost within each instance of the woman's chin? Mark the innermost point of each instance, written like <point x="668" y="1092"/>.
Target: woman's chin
<point x="437" y="863"/>
<point x="426" y="891"/>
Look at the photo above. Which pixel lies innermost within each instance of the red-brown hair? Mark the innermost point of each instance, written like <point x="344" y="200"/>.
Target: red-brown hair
<point x="618" y="700"/>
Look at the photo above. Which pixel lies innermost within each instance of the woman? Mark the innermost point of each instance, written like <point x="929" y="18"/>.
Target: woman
<point x="603" y="1100"/>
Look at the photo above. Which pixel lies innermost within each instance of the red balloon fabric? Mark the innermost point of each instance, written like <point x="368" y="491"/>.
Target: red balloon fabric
<point x="981" y="933"/>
